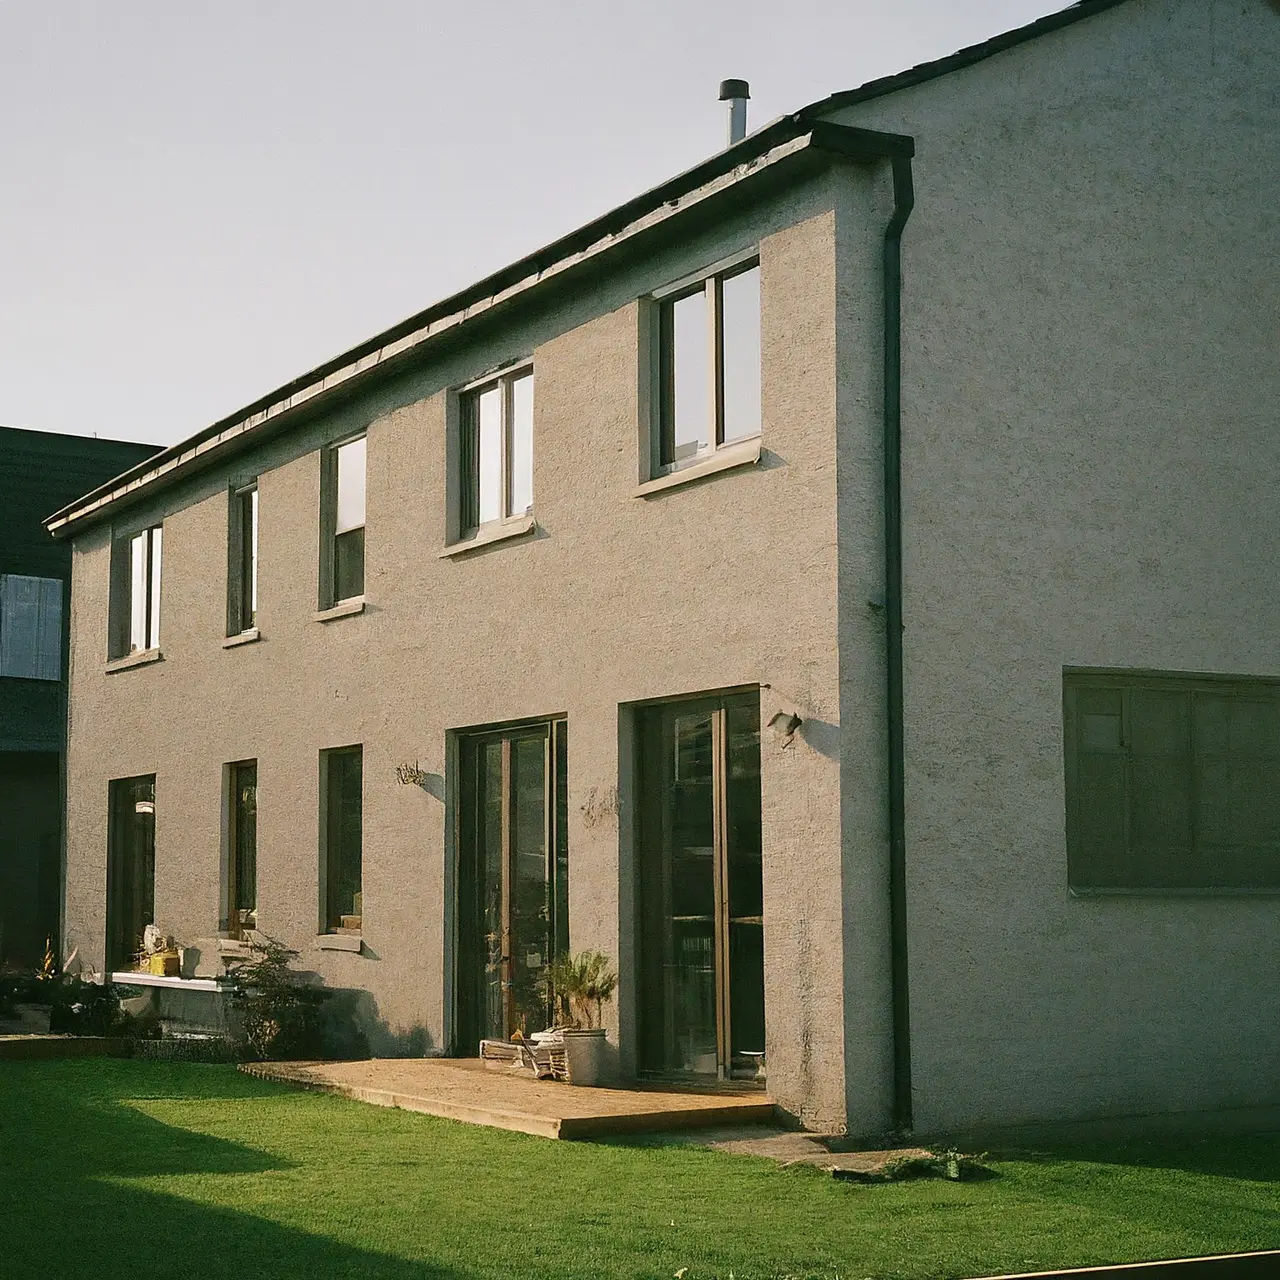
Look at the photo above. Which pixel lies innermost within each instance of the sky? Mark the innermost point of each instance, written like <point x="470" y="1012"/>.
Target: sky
<point x="204" y="200"/>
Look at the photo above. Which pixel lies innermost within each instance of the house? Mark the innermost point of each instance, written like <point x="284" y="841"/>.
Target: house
<point x="39" y="472"/>
<point x="839" y="584"/>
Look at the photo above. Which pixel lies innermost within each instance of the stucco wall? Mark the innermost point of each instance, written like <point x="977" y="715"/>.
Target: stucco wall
<point x="1090" y="468"/>
<point x="727" y="582"/>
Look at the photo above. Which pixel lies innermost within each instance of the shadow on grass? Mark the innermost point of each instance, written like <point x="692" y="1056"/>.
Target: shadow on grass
<point x="1254" y="1158"/>
<point x="67" y="1135"/>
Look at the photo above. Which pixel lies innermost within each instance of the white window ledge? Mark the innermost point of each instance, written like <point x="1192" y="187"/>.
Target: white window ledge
<point x="245" y="637"/>
<point x="126" y="979"/>
<point x="138" y="659"/>
<point x="337" y="942"/>
<point x="742" y="453"/>
<point x="488" y="534"/>
<point x="343" y="609"/>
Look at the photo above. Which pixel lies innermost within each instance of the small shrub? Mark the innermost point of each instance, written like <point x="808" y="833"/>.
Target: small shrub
<point x="280" y="1012"/>
<point x="578" y="986"/>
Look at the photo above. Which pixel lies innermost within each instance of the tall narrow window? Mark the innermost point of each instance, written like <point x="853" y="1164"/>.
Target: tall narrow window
<point x="497" y="450"/>
<point x="343" y="513"/>
<point x="709" y="365"/>
<point x="242" y="561"/>
<point x="135" y="593"/>
<point x="30" y="627"/>
<point x="131" y="867"/>
<point x="242" y="856"/>
<point x="341" y="780"/>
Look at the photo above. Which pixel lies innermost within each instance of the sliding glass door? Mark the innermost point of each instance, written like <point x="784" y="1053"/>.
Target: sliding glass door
<point x="701" y="923"/>
<point x="513" y="881"/>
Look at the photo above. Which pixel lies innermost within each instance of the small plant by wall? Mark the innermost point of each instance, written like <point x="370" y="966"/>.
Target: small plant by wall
<point x="281" y="1013"/>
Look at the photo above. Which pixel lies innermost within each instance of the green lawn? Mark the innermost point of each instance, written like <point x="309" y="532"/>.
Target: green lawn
<point x="137" y="1169"/>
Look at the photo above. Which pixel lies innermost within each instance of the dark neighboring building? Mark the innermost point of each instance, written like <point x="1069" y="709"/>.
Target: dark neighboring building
<point x="39" y="472"/>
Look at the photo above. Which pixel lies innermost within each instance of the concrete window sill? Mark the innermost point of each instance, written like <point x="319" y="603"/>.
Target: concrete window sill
<point x="487" y="535"/>
<point x="338" y="942"/>
<point x="345" y="609"/>
<point x="245" y="637"/>
<point x="742" y="453"/>
<point x="139" y="659"/>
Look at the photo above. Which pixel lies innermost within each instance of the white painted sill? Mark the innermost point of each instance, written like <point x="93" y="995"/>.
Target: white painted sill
<point x="245" y="637"/>
<point x="129" y="979"/>
<point x="139" y="659"/>
<point x="742" y="453"/>
<point x="338" y="942"/>
<point x="345" y="609"/>
<point x="488" y="534"/>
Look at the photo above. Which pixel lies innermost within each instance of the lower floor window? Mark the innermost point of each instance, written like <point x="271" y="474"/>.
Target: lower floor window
<point x="1172" y="781"/>
<point x="341" y="781"/>
<point x="131" y="867"/>
<point x="242" y="856"/>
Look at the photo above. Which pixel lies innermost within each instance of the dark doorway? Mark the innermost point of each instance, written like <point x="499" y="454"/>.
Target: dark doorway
<point x="131" y="867"/>
<point x="513" y="879"/>
<point x="701" y="928"/>
<point x="30" y="875"/>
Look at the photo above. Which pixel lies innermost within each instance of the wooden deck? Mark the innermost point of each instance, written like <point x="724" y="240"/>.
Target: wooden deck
<point x="463" y="1089"/>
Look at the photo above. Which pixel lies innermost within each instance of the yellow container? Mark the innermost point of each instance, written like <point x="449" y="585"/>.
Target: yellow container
<point x="164" y="964"/>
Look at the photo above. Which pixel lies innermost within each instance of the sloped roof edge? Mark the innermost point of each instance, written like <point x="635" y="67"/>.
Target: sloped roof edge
<point x="962" y="58"/>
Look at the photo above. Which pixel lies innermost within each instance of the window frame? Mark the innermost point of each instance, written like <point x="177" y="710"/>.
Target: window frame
<point x="242" y="559"/>
<point x="329" y="535"/>
<point x="328" y="842"/>
<point x="237" y="918"/>
<point x="120" y="607"/>
<point x="469" y="524"/>
<point x="709" y="281"/>
<point x="1083" y="878"/>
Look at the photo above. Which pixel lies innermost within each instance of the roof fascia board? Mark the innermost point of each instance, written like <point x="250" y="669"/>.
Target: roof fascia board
<point x="789" y="139"/>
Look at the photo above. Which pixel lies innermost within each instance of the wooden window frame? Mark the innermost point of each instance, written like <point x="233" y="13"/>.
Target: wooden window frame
<point x="327" y="851"/>
<point x="242" y="559"/>
<point x="469" y="523"/>
<point x="328" y="595"/>
<point x="236" y="918"/>
<point x="1083" y="876"/>
<point x="710" y="282"/>
<point x="120" y="604"/>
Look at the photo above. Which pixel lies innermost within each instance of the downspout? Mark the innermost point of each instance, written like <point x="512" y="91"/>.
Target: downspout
<point x="903" y="202"/>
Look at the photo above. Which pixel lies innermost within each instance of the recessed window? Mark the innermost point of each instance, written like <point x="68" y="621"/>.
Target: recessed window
<point x="131" y="867"/>
<point x="341" y="784"/>
<point x="242" y="854"/>
<point x="1172" y="782"/>
<point x="342" y="520"/>
<point x="30" y="627"/>
<point x="135" y="592"/>
<point x="242" y="561"/>
<point x="497" y="450"/>
<point x="709" y="365"/>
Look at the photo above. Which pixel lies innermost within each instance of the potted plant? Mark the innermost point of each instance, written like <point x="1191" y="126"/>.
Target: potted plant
<point x="580" y="984"/>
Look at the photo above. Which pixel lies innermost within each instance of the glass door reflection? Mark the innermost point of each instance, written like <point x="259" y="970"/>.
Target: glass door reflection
<point x="701" y="928"/>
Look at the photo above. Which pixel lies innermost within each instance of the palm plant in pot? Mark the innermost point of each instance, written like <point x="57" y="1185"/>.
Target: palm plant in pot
<point x="580" y="984"/>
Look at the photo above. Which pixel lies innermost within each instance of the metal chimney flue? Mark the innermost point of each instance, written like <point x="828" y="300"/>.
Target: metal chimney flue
<point x="736" y="93"/>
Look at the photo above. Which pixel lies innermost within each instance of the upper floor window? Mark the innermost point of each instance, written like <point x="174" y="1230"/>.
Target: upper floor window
<point x="342" y="500"/>
<point x="708" y="365"/>
<point x="135" y="593"/>
<point x="1172" y="781"/>
<point x="242" y="561"/>
<point x="30" y="627"/>
<point x="497" y="450"/>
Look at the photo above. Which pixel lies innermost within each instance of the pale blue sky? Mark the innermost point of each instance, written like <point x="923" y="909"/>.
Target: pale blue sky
<point x="204" y="200"/>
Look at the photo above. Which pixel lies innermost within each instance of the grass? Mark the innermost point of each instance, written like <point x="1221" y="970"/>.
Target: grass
<point x="117" y="1169"/>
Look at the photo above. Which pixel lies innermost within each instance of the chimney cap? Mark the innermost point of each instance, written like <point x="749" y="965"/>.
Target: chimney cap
<point x="730" y="89"/>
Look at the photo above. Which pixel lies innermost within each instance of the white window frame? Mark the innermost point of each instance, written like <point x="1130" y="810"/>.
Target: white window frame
<point x="504" y="379"/>
<point x="709" y="280"/>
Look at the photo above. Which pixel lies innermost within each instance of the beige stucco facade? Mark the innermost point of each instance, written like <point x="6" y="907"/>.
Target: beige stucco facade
<point x="1089" y="401"/>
